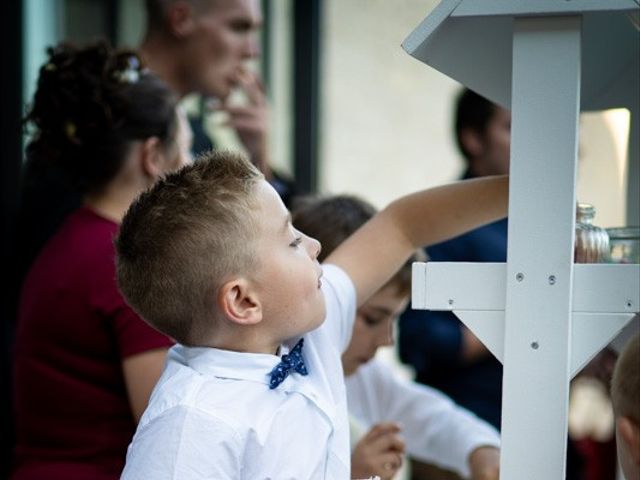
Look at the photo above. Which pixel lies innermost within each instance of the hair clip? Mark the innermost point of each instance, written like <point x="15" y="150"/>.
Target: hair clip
<point x="131" y="73"/>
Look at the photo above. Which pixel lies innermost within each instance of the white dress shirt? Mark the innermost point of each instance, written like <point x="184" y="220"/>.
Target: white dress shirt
<point x="213" y="416"/>
<point x="435" y="429"/>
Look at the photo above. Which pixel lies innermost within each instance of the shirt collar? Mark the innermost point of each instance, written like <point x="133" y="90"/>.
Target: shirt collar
<point x="220" y="363"/>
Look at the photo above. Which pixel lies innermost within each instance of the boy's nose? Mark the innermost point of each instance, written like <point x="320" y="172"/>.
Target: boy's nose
<point x="315" y="247"/>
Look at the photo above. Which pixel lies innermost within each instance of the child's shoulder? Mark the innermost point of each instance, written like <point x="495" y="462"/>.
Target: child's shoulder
<point x="184" y="392"/>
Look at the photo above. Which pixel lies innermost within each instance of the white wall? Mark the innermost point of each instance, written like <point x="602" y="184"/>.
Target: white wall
<point x="386" y="118"/>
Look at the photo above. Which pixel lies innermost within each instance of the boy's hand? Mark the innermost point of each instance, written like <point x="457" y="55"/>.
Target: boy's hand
<point x="250" y="121"/>
<point x="485" y="463"/>
<point x="379" y="452"/>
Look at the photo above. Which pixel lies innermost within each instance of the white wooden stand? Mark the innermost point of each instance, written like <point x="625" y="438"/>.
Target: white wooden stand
<point x="540" y="314"/>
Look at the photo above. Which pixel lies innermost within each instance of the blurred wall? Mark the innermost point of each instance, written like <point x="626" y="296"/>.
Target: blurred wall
<point x="386" y="117"/>
<point x="387" y="120"/>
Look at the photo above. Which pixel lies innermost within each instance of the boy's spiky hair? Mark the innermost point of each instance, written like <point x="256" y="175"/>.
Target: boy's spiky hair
<point x="182" y="238"/>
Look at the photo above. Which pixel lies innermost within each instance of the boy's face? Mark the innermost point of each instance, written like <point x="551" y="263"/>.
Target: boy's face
<point x="373" y="327"/>
<point x="288" y="272"/>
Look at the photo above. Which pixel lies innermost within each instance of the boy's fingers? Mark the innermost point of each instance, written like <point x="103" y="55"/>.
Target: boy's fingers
<point x="390" y="442"/>
<point x="393" y="458"/>
<point x="389" y="464"/>
<point x="384" y="438"/>
<point x="383" y="428"/>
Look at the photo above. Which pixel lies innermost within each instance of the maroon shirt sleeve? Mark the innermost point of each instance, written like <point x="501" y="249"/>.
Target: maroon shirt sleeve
<point x="132" y="334"/>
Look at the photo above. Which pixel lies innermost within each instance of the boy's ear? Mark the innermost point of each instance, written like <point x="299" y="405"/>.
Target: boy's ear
<point x="152" y="158"/>
<point x="629" y="431"/>
<point x="472" y="141"/>
<point x="180" y="19"/>
<point x="239" y="302"/>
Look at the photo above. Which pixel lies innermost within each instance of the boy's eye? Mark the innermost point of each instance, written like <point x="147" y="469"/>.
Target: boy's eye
<point x="371" y="320"/>
<point x="296" y="242"/>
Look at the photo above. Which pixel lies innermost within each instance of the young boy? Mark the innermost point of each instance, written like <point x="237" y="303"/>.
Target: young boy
<point x="625" y="395"/>
<point x="434" y="429"/>
<point x="254" y="388"/>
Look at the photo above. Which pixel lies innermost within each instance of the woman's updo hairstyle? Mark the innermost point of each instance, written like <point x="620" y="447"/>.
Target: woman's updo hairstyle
<point x="90" y="104"/>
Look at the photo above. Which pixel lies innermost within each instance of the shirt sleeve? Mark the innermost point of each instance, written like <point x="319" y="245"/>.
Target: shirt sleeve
<point x="436" y="430"/>
<point x="340" y="301"/>
<point x="132" y="335"/>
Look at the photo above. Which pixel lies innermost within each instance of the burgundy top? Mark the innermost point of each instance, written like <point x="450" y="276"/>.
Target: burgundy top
<point x="72" y="413"/>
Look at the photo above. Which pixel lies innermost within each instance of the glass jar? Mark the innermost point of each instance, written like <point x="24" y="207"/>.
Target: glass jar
<point x="592" y="242"/>
<point x="625" y="244"/>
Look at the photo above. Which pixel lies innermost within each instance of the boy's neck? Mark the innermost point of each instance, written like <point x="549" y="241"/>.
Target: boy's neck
<point x="244" y="342"/>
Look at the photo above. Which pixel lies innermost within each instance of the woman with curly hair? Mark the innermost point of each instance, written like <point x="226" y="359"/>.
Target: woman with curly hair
<point x="103" y="130"/>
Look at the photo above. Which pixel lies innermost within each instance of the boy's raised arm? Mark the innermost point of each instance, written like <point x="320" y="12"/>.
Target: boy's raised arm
<point x="378" y="249"/>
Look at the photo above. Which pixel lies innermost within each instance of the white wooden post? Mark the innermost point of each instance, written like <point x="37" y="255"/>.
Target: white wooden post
<point x="544" y="143"/>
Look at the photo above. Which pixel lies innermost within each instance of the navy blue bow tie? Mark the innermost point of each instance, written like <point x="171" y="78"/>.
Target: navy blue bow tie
<point x="292" y="361"/>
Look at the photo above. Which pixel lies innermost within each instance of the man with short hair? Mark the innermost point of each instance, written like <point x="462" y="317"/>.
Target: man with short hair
<point x="204" y="46"/>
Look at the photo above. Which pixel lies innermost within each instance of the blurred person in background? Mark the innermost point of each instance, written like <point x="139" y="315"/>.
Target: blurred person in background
<point x="443" y="352"/>
<point x="205" y="47"/>
<point x="85" y="363"/>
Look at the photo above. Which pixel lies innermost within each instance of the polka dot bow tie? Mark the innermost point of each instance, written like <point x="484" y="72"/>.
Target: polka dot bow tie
<point x="292" y="361"/>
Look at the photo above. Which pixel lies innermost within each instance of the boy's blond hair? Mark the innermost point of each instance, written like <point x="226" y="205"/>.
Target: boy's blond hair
<point x="182" y="239"/>
<point x="625" y="385"/>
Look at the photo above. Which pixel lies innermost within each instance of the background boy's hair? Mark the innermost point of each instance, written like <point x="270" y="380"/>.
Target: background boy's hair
<point x="331" y="220"/>
<point x="625" y="385"/>
<point x="180" y="240"/>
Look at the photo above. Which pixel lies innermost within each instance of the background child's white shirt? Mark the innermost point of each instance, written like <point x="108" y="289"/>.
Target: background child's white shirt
<point x="212" y="414"/>
<point x="436" y="430"/>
